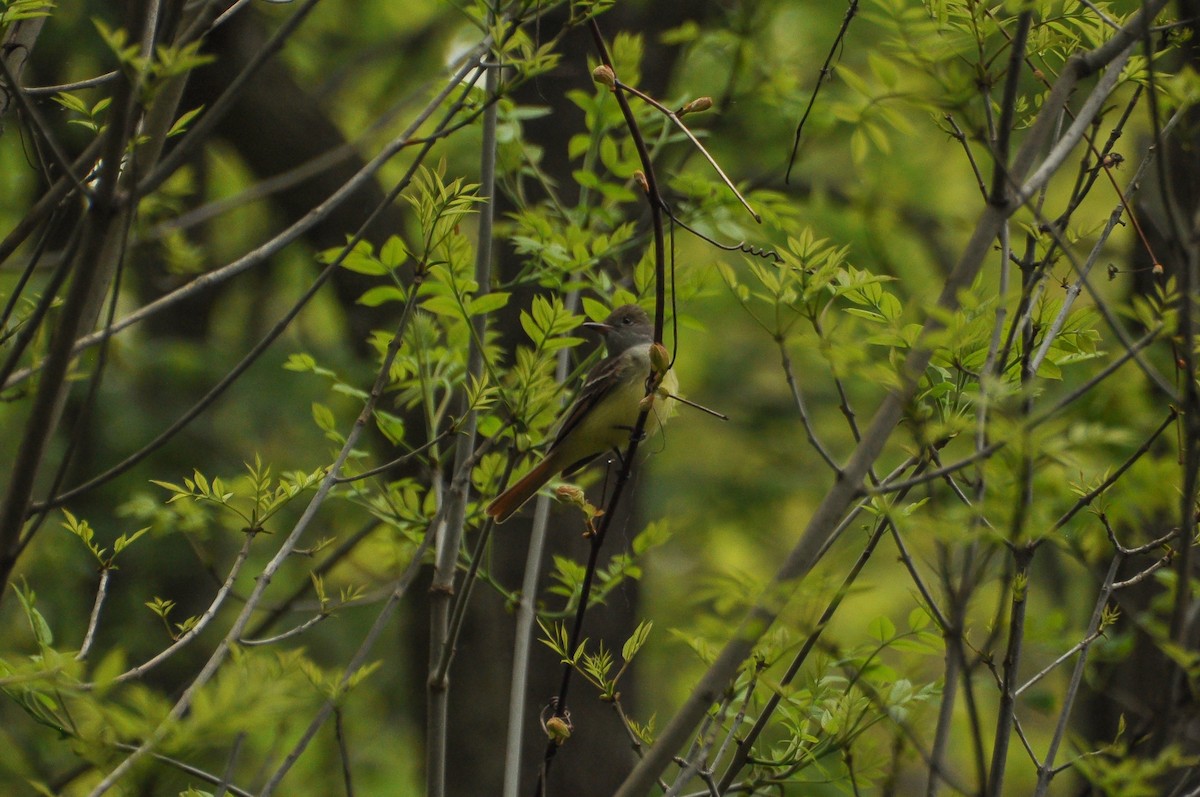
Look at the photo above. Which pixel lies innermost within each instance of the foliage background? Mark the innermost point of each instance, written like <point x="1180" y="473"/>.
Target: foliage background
<point x="880" y="189"/>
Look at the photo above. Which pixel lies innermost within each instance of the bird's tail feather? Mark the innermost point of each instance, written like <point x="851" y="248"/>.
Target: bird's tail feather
<point x="512" y="499"/>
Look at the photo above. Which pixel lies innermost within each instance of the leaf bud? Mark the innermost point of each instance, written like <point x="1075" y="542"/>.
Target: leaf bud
<point x="570" y="494"/>
<point x="696" y="106"/>
<point x="605" y="76"/>
<point x="558" y="729"/>
<point x="660" y="358"/>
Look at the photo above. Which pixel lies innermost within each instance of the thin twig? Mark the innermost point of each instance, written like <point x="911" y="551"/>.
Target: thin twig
<point x="618" y="85"/>
<point x="824" y="520"/>
<point x="1095" y="628"/>
<point x="43" y="131"/>
<point x="287" y="546"/>
<point x="297" y="631"/>
<point x="798" y="400"/>
<point x="444" y="626"/>
<point x="188" y="769"/>
<point x="1144" y="574"/>
<point x="263" y="253"/>
<point x="94" y="619"/>
<point x="356" y="663"/>
<point x="335" y="556"/>
<point x="267" y="340"/>
<point x="1130" y="353"/>
<point x="88" y="83"/>
<point x="235" y="750"/>
<point x="958" y="135"/>
<point x="339" y="726"/>
<point x="826" y="71"/>
<point x="656" y="204"/>
<point x="201" y="623"/>
<point x="1086" y="499"/>
<point x="1083" y="271"/>
<point x="400" y="460"/>
<point x="203" y="126"/>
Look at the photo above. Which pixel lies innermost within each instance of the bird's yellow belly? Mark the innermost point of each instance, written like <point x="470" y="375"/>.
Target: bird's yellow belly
<point x="610" y="424"/>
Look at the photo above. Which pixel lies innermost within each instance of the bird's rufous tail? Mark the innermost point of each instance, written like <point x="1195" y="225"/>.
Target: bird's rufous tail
<point x="512" y="499"/>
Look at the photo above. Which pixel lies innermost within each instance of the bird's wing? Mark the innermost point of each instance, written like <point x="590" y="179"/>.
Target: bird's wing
<point x="601" y="380"/>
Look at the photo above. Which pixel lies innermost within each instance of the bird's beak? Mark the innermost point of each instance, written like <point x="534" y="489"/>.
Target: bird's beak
<point x="598" y="326"/>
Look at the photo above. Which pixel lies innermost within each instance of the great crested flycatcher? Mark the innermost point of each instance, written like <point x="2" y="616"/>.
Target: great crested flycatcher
<point x="606" y="410"/>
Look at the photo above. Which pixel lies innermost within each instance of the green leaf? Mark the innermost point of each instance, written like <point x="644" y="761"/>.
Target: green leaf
<point x="323" y="417"/>
<point x="578" y="145"/>
<point x="687" y="32"/>
<point x="125" y="540"/>
<point x="391" y="426"/>
<point x="586" y="178"/>
<point x="381" y="294"/>
<point x="37" y="623"/>
<point x="181" y="123"/>
<point x="596" y="311"/>
<point x="882" y="629"/>
<point x="636" y="640"/>
<point x="300" y="362"/>
<point x="393" y="254"/>
<point x="71" y="103"/>
<point x="360" y="259"/>
<point x="918" y="619"/>
<point x="442" y="305"/>
<point x="531" y="328"/>
<point x="489" y="303"/>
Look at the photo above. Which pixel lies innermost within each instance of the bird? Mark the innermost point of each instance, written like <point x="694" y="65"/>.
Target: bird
<point x="606" y="410"/>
